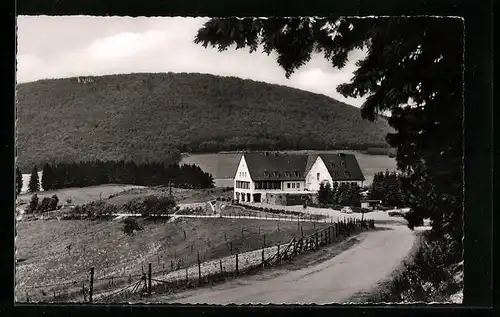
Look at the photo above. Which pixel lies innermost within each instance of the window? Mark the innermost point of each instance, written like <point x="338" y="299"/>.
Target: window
<point x="287" y="185"/>
<point x="266" y="174"/>
<point x="298" y="185"/>
<point x="293" y="185"/>
<point x="317" y="176"/>
<point x="347" y="174"/>
<point x="287" y="174"/>
<point x="297" y="174"/>
<point x="276" y="174"/>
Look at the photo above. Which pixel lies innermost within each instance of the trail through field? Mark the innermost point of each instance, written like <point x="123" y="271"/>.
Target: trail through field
<point x="359" y="268"/>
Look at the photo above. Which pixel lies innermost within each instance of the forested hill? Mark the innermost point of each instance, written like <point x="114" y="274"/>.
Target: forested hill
<point x="148" y="117"/>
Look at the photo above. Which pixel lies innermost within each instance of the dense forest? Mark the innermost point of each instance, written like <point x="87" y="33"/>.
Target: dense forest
<point x="81" y="174"/>
<point x="154" y="117"/>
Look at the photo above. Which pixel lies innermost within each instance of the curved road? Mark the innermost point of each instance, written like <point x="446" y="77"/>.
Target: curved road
<point x="336" y="280"/>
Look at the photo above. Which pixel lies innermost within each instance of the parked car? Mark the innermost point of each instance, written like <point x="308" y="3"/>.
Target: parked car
<point x="346" y="210"/>
<point x="399" y="212"/>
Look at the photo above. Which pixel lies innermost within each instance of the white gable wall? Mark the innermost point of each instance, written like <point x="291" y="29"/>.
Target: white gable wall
<point x="312" y="181"/>
<point x="242" y="174"/>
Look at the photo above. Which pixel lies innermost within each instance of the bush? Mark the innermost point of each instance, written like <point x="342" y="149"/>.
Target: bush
<point x="131" y="225"/>
<point x="44" y="205"/>
<point x="430" y="276"/>
<point x="33" y="205"/>
<point x="157" y="205"/>
<point x="54" y="201"/>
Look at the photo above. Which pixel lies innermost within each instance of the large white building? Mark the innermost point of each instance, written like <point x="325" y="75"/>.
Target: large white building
<point x="261" y="175"/>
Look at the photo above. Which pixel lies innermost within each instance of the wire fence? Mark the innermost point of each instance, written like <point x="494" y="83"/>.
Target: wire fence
<point x="157" y="278"/>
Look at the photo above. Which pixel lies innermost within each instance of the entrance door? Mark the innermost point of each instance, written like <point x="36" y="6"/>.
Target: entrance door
<point x="249" y="197"/>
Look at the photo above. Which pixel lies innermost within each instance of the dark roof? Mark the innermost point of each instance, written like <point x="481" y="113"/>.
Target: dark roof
<point x="280" y="166"/>
<point x="276" y="166"/>
<point x="343" y="167"/>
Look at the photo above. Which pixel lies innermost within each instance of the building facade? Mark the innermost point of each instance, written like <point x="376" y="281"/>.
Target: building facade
<point x="266" y="176"/>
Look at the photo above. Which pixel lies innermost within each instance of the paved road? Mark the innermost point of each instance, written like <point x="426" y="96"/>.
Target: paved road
<point x="334" y="281"/>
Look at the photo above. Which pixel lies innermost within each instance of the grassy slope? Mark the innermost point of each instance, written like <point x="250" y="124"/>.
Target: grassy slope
<point x="80" y="196"/>
<point x="45" y="260"/>
<point x="146" y="116"/>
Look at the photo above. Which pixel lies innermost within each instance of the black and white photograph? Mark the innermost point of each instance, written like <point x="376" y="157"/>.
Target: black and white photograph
<point x="227" y="160"/>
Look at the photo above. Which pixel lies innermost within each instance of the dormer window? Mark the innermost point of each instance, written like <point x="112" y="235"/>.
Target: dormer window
<point x="297" y="174"/>
<point x="347" y="174"/>
<point x="287" y="174"/>
<point x="276" y="174"/>
<point x="266" y="174"/>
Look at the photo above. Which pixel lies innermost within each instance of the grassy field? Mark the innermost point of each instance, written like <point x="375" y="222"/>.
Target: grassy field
<point x="80" y="195"/>
<point x="223" y="165"/>
<point x="181" y="195"/>
<point x="43" y="257"/>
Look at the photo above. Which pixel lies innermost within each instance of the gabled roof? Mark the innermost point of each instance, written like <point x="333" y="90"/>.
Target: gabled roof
<point x="343" y="167"/>
<point x="276" y="166"/>
<point x="281" y="167"/>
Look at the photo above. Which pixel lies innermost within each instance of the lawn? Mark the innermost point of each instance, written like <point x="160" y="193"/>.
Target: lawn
<point x="181" y="195"/>
<point x="43" y="257"/>
<point x="82" y="195"/>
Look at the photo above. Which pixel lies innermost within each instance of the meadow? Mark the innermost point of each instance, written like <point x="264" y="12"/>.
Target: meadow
<point x="43" y="257"/>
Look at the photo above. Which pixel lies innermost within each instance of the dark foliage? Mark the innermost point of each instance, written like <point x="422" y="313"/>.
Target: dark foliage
<point x="34" y="184"/>
<point x="388" y="187"/>
<point x="33" y="205"/>
<point x="153" y="205"/>
<point x="130" y="225"/>
<point x="81" y="174"/>
<point x="174" y="113"/>
<point x="345" y="194"/>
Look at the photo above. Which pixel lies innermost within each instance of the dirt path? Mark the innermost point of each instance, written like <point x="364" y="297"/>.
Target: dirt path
<point x="333" y="281"/>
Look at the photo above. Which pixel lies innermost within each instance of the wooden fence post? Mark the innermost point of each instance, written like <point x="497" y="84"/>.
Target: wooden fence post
<point x="187" y="277"/>
<point x="199" y="268"/>
<point x="264" y="240"/>
<point x="301" y="232"/>
<point x="316" y="234"/>
<point x="237" y="271"/>
<point x="149" y="278"/>
<point x="220" y="264"/>
<point x="91" y="288"/>
<point x="278" y="253"/>
<point x="83" y="293"/>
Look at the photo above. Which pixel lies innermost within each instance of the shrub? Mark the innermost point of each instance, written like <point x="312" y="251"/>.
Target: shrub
<point x="54" y="201"/>
<point x="157" y="205"/>
<point x="131" y="225"/>
<point x="33" y="205"/>
<point x="44" y="205"/>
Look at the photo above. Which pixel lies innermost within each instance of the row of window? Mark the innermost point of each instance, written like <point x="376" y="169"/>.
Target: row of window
<point x="242" y="185"/>
<point x="267" y="185"/>
<point x="243" y="174"/>
<point x="293" y="185"/>
<point x="337" y="174"/>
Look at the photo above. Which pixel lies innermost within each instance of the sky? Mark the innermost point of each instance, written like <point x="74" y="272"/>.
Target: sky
<point x="69" y="46"/>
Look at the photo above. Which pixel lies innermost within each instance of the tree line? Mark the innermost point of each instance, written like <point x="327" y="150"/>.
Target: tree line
<point x="82" y="174"/>
<point x="388" y="187"/>
<point x="345" y="194"/>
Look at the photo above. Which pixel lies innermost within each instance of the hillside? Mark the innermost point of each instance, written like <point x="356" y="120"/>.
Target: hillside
<point x="156" y="116"/>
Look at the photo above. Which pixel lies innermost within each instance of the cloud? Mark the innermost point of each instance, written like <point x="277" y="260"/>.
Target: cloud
<point x="82" y="46"/>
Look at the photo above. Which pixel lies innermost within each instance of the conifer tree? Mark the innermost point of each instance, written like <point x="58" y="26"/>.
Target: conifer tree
<point x="47" y="177"/>
<point x="34" y="184"/>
